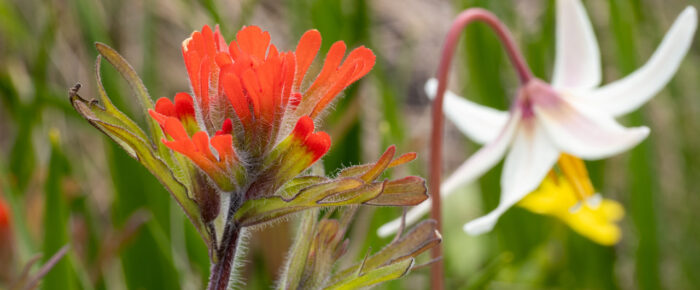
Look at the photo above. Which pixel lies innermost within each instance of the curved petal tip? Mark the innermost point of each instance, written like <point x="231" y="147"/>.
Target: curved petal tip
<point x="691" y="13"/>
<point x="482" y="225"/>
<point x="628" y="94"/>
<point x="431" y="88"/>
<point x="577" y="61"/>
<point x="587" y="132"/>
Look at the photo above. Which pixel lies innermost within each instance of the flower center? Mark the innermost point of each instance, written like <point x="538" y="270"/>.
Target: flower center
<point x="574" y="170"/>
<point x="534" y="92"/>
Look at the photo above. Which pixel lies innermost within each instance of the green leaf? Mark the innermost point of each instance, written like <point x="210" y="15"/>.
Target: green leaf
<point x="139" y="90"/>
<point x="353" y="196"/>
<point x="370" y="172"/>
<point x="142" y="151"/>
<point x="137" y="86"/>
<point x="294" y="186"/>
<point x="381" y="165"/>
<point x="56" y="220"/>
<point x="421" y="238"/>
<point x="313" y="192"/>
<point x="408" y="190"/>
<point x="298" y="253"/>
<point x="320" y="260"/>
<point x="264" y="209"/>
<point x="367" y="171"/>
<point x="318" y="247"/>
<point x="109" y="112"/>
<point x="375" y="276"/>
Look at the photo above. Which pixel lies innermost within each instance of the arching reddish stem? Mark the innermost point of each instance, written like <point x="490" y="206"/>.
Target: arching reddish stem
<point x="525" y="75"/>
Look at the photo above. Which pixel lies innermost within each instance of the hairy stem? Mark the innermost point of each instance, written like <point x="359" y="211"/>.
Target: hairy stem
<point x="524" y="74"/>
<point x="226" y="252"/>
<point x="221" y="271"/>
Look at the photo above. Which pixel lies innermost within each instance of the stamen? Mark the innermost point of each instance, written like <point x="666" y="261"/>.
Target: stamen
<point x="574" y="170"/>
<point x="576" y="207"/>
<point x="594" y="201"/>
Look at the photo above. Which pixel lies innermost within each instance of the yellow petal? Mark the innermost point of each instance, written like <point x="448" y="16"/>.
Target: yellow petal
<point x="556" y="197"/>
<point x="597" y="224"/>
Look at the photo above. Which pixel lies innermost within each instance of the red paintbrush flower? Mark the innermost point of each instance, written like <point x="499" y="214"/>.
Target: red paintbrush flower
<point x="232" y="152"/>
<point x="4" y="216"/>
<point x="247" y="97"/>
<point x="6" y="251"/>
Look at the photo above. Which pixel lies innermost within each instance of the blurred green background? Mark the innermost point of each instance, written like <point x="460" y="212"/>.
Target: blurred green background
<point x="67" y="184"/>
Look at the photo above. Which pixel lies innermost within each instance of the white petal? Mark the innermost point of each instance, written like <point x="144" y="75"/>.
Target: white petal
<point x="483" y="160"/>
<point x="629" y="93"/>
<point x="531" y="156"/>
<point x="581" y="131"/>
<point x="577" y="62"/>
<point x="480" y="123"/>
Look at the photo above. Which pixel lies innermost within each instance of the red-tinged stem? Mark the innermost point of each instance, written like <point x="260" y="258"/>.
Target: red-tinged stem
<point x="525" y="75"/>
<point x="221" y="271"/>
<point x="226" y="251"/>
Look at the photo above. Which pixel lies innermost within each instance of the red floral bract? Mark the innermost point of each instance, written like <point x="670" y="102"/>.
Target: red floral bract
<point x="233" y="152"/>
<point x="4" y="215"/>
<point x="247" y="96"/>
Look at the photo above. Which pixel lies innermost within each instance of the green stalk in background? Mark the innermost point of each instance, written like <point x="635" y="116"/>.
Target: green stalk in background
<point x="56" y="217"/>
<point x="642" y="186"/>
<point x="130" y="178"/>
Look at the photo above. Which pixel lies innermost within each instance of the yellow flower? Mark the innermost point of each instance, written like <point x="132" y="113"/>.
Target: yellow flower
<point x="568" y="196"/>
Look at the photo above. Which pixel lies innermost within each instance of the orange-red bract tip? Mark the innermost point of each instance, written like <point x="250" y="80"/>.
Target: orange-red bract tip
<point x="390" y="151"/>
<point x="252" y="86"/>
<point x="224" y="146"/>
<point x="304" y="127"/>
<point x="209" y="44"/>
<point x="253" y="40"/>
<point x="4" y="215"/>
<point x="363" y="56"/>
<point x="184" y="106"/>
<point x="234" y="92"/>
<point x="343" y="80"/>
<point x="204" y="77"/>
<point x="403" y="159"/>
<point x="226" y="128"/>
<point x="223" y="59"/>
<point x="160" y="118"/>
<point x="165" y="107"/>
<point x="201" y="143"/>
<point x="200" y="52"/>
<point x="330" y="64"/>
<point x="205" y="28"/>
<point x="180" y="146"/>
<point x="306" y="51"/>
<point x="295" y="99"/>
<point x="318" y="144"/>
<point x="189" y="148"/>
<point x="174" y="128"/>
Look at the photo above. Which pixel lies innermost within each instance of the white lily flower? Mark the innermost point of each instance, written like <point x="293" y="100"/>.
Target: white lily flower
<point x="571" y="115"/>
